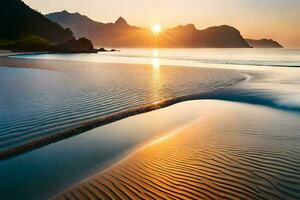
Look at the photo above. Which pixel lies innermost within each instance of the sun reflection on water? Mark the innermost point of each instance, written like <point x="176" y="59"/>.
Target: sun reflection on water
<point x="156" y="77"/>
<point x="156" y="62"/>
<point x="155" y="59"/>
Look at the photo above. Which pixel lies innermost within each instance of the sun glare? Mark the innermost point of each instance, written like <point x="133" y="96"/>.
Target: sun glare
<point x="156" y="28"/>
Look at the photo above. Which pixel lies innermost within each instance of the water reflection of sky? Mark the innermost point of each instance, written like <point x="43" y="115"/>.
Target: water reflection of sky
<point x="66" y="162"/>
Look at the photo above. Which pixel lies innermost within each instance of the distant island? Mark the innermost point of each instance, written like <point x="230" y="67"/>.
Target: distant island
<point x="264" y="43"/>
<point x="121" y="34"/>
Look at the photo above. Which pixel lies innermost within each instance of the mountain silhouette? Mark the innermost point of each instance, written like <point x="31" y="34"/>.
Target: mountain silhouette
<point x="121" y="22"/>
<point x="121" y="34"/>
<point x="219" y="36"/>
<point x="17" y="21"/>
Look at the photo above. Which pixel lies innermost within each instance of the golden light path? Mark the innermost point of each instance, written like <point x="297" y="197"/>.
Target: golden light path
<point x="155" y="59"/>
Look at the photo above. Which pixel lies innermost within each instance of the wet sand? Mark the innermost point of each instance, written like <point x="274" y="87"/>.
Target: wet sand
<point x="233" y="151"/>
<point x="74" y="96"/>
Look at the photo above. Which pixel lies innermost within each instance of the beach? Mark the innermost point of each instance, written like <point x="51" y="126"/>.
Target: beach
<point x="212" y="150"/>
<point x="215" y="157"/>
<point x="146" y="100"/>
<point x="148" y="128"/>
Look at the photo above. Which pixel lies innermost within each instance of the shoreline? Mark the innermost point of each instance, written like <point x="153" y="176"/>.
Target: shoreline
<point x="7" y="53"/>
<point x="99" y="121"/>
<point x="228" y="92"/>
<point x="104" y="120"/>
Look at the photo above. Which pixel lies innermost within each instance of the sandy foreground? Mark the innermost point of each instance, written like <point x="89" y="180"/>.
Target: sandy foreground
<point x="232" y="151"/>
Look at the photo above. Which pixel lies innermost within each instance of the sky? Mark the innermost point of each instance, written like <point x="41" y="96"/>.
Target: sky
<point x="276" y="19"/>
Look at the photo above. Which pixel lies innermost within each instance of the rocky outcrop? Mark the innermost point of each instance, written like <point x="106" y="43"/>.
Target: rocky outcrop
<point x="264" y="43"/>
<point x="82" y="45"/>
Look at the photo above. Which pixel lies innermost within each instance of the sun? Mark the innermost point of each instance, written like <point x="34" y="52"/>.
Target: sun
<point x="156" y="28"/>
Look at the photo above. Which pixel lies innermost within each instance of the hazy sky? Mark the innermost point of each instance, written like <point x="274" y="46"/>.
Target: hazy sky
<point x="276" y="19"/>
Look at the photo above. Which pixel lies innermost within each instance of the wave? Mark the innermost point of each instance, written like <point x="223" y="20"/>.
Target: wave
<point x="249" y="96"/>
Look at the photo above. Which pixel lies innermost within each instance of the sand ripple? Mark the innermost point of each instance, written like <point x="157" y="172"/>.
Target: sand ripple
<point x="215" y="158"/>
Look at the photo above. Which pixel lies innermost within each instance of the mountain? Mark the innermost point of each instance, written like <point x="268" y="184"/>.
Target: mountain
<point x="219" y="36"/>
<point x="264" y="43"/>
<point x="115" y="34"/>
<point x="17" y="21"/>
<point x="121" y="34"/>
